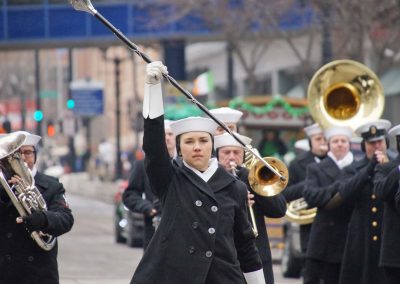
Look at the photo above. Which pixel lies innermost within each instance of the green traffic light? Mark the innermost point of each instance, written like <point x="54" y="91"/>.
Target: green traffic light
<point x="70" y="104"/>
<point x="38" y="115"/>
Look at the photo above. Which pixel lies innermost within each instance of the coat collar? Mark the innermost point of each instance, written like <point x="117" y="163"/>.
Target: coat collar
<point x="218" y="181"/>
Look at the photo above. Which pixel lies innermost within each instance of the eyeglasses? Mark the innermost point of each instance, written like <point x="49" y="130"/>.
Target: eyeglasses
<point x="27" y="153"/>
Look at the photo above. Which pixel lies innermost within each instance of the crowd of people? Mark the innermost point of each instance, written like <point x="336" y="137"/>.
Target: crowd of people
<point x="202" y="188"/>
<point x="210" y="221"/>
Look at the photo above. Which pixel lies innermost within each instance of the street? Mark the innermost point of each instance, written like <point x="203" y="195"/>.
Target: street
<point x="89" y="255"/>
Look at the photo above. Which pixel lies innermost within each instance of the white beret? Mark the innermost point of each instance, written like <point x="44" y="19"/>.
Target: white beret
<point x="226" y="139"/>
<point x="395" y="131"/>
<point x="31" y="139"/>
<point x="373" y="130"/>
<point x="193" y="124"/>
<point x="338" y="130"/>
<point x="227" y="115"/>
<point x="313" y="129"/>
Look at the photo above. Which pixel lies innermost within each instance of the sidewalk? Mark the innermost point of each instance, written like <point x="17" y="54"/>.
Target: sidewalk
<point x="81" y="184"/>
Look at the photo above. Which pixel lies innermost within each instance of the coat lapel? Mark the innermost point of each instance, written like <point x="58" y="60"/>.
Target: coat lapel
<point x="220" y="179"/>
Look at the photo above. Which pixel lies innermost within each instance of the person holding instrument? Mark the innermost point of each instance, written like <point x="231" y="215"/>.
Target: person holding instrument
<point x="21" y="259"/>
<point x="386" y="188"/>
<point x="204" y="235"/>
<point x="230" y="155"/>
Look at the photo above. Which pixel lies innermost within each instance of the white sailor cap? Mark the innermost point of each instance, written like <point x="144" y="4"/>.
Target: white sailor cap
<point x="193" y="124"/>
<point x="227" y="115"/>
<point x="167" y="123"/>
<point x="395" y="131"/>
<point x="302" y="144"/>
<point x="338" y="130"/>
<point x="373" y="130"/>
<point x="226" y="139"/>
<point x="313" y="129"/>
<point x="31" y="139"/>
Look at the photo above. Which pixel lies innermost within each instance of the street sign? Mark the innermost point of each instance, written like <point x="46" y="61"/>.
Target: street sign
<point x="88" y="97"/>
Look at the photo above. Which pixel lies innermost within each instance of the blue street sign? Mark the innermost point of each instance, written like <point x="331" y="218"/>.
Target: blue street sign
<point x="87" y="96"/>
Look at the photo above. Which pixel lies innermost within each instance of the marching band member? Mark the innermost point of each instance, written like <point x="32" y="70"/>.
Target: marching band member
<point x="329" y="229"/>
<point x="297" y="172"/>
<point x="361" y="254"/>
<point x="21" y="259"/>
<point x="204" y="235"/>
<point x="230" y="155"/>
<point x="138" y="196"/>
<point x="386" y="186"/>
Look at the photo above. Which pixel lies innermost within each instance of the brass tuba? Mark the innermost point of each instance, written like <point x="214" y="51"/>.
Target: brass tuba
<point x="262" y="180"/>
<point x="341" y="93"/>
<point x="24" y="195"/>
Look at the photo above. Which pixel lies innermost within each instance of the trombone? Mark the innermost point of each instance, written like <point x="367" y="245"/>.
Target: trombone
<point x="86" y="6"/>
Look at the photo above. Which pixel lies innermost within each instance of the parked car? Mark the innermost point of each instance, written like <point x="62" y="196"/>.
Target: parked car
<point x="128" y="226"/>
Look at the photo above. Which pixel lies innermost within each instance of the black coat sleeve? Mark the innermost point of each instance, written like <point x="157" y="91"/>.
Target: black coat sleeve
<point x="59" y="215"/>
<point x="243" y="234"/>
<point x="157" y="161"/>
<point x="386" y="181"/>
<point x="133" y="195"/>
<point x="352" y="183"/>
<point x="315" y="194"/>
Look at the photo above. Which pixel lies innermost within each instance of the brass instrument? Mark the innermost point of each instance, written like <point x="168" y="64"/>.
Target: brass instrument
<point x="24" y="195"/>
<point x="341" y="93"/>
<point x="263" y="181"/>
<point x="345" y="93"/>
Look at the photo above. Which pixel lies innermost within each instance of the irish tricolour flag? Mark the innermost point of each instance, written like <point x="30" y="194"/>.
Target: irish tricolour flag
<point x="203" y="84"/>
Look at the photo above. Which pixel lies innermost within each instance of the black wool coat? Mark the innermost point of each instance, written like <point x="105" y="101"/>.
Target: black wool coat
<point x="21" y="259"/>
<point x="294" y="189"/>
<point x="272" y="207"/>
<point x="132" y="198"/>
<point x="204" y="235"/>
<point x="329" y="229"/>
<point x="361" y="254"/>
<point x="386" y="184"/>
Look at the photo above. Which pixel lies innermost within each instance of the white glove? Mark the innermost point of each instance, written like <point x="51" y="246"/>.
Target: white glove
<point x="154" y="72"/>
<point x="255" y="277"/>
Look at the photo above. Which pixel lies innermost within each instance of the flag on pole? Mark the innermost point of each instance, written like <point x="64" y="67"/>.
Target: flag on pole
<point x="203" y="84"/>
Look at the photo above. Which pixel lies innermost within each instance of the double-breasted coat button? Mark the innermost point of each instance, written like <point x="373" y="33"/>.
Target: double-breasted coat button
<point x="375" y="238"/>
<point x="7" y="257"/>
<point x="9" y="235"/>
<point x="374" y="224"/>
<point x="191" y="249"/>
<point x="208" y="253"/>
<point x="374" y="209"/>
<point x="373" y="196"/>
<point x="211" y="231"/>
<point x="198" y="203"/>
<point x="214" y="208"/>
<point x="30" y="258"/>
<point x="195" y="225"/>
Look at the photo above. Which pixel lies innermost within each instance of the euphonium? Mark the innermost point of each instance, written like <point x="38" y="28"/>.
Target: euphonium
<point x="24" y="195"/>
<point x="341" y="93"/>
<point x="263" y="181"/>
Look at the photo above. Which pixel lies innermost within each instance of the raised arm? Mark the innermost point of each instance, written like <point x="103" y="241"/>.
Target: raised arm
<point x="157" y="161"/>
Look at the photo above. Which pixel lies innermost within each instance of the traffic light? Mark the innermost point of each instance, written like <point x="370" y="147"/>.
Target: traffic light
<point x="70" y="104"/>
<point x="51" y="129"/>
<point x="38" y="115"/>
